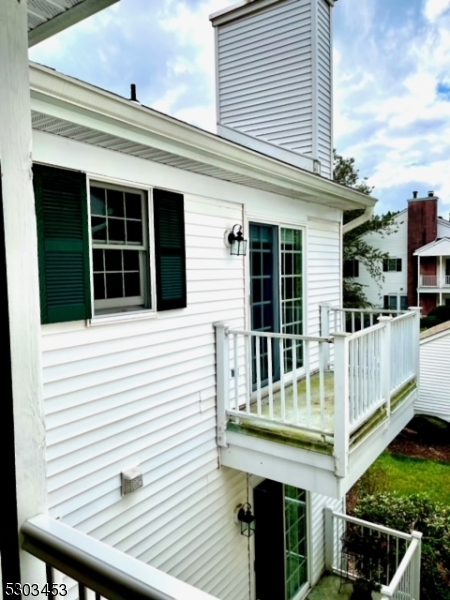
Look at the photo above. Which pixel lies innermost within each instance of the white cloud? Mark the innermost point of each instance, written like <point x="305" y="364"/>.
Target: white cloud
<point x="435" y="8"/>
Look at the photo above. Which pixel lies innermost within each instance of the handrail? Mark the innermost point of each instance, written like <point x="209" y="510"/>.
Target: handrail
<point x="279" y="336"/>
<point x="375" y="527"/>
<point x="99" y="567"/>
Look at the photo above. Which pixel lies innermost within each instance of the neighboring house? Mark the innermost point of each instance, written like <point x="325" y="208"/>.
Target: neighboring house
<point x="418" y="269"/>
<point x="215" y="371"/>
<point x="434" y="397"/>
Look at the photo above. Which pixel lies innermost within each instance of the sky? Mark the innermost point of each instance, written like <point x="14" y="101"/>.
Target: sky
<point x="391" y="79"/>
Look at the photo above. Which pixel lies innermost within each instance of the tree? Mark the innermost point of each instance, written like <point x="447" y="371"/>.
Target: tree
<point x="355" y="247"/>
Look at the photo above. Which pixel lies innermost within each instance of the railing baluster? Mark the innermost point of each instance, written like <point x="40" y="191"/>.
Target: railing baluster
<point x="294" y="380"/>
<point x="236" y="372"/>
<point x="50" y="580"/>
<point x="270" y="375"/>
<point x="248" y="372"/>
<point x="308" y="398"/>
<point x="321" y="386"/>
<point x="258" y="374"/>
<point x="282" y="390"/>
<point x="81" y="592"/>
<point x="353" y="322"/>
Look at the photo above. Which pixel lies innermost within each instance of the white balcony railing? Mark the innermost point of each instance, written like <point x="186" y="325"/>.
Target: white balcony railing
<point x="352" y="319"/>
<point x="356" y="548"/>
<point x="429" y="281"/>
<point x="434" y="281"/>
<point x="96" y="568"/>
<point x="328" y="386"/>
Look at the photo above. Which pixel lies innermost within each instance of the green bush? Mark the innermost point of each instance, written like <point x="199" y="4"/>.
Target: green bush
<point x="427" y="322"/>
<point x="441" y="312"/>
<point x="420" y="513"/>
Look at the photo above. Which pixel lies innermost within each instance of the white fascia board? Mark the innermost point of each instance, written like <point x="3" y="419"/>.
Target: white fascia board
<point x="66" y="19"/>
<point x="77" y="102"/>
<point x="243" y="9"/>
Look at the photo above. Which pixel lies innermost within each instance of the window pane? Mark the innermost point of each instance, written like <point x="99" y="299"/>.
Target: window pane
<point x="130" y="260"/>
<point x="116" y="230"/>
<point x="99" y="286"/>
<point x="97" y="260"/>
<point x="98" y="227"/>
<point x="115" y="203"/>
<point x="393" y="302"/>
<point x="98" y="205"/>
<point x="114" y="285"/>
<point x="132" y="284"/>
<point x="133" y="204"/>
<point x="113" y="260"/>
<point x="134" y="232"/>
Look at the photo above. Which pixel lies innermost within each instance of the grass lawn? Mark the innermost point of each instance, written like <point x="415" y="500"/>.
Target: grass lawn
<point x="406" y="475"/>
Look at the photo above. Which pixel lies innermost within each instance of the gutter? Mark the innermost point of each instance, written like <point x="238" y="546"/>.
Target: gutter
<point x="366" y="216"/>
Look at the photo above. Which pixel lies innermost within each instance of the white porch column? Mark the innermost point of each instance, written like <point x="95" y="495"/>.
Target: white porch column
<point x="419" y="283"/>
<point x="20" y="247"/>
<point x="341" y="403"/>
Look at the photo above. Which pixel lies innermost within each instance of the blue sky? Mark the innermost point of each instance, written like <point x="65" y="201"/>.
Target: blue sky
<point x="391" y="79"/>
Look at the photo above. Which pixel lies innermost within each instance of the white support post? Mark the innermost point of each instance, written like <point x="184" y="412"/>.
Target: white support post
<point x="417" y="559"/>
<point x="416" y="349"/>
<point x="441" y="278"/>
<point x="386" y="359"/>
<point x="341" y="403"/>
<point x="222" y="381"/>
<point x="419" y="283"/>
<point x="20" y="249"/>
<point x="329" y="540"/>
<point x="325" y="332"/>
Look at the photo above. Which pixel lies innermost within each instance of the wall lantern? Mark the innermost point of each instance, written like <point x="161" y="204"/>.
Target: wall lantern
<point x="247" y="520"/>
<point x="238" y="246"/>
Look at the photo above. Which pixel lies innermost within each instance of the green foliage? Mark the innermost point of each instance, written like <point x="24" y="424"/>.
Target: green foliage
<point x="441" y="313"/>
<point x="427" y="322"/>
<point x="420" y="513"/>
<point x="355" y="247"/>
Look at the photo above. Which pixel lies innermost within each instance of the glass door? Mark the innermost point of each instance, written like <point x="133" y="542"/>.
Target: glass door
<point x="264" y="294"/>
<point x="281" y="563"/>
<point x="291" y="257"/>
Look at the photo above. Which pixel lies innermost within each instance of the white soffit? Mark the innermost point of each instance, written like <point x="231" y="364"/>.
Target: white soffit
<point x="48" y="17"/>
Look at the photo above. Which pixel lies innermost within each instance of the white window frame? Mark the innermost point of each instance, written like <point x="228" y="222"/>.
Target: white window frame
<point x="119" y="308"/>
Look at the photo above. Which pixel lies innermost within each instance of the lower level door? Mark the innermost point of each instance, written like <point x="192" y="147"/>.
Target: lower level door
<point x="281" y="568"/>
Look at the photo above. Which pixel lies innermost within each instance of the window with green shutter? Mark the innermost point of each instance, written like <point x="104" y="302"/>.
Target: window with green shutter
<point x="119" y="244"/>
<point x="63" y="244"/>
<point x="170" y="254"/>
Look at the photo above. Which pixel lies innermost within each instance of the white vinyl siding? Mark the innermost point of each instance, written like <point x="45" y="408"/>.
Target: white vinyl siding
<point x="274" y="76"/>
<point x="318" y="504"/>
<point x="255" y="84"/>
<point x="143" y="392"/>
<point x="324" y="269"/>
<point x="434" y="396"/>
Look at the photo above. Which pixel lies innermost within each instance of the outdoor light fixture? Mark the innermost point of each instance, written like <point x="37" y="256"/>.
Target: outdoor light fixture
<point x="247" y="520"/>
<point x="238" y="246"/>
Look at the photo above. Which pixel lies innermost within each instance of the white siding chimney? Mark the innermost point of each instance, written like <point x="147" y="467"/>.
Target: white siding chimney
<point x="274" y="74"/>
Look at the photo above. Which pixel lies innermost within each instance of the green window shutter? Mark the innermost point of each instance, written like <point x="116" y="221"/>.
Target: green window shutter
<point x="170" y="250"/>
<point x="63" y="243"/>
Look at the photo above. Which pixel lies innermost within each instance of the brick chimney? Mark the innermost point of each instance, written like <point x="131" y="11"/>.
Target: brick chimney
<point x="422" y="229"/>
<point x="274" y="78"/>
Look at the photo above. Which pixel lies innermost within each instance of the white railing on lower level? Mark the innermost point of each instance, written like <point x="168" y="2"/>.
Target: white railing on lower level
<point x="360" y="549"/>
<point x="99" y="570"/>
<point x="276" y="379"/>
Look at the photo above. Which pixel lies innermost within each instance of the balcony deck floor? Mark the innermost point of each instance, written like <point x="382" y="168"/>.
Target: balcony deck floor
<point x="315" y="418"/>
